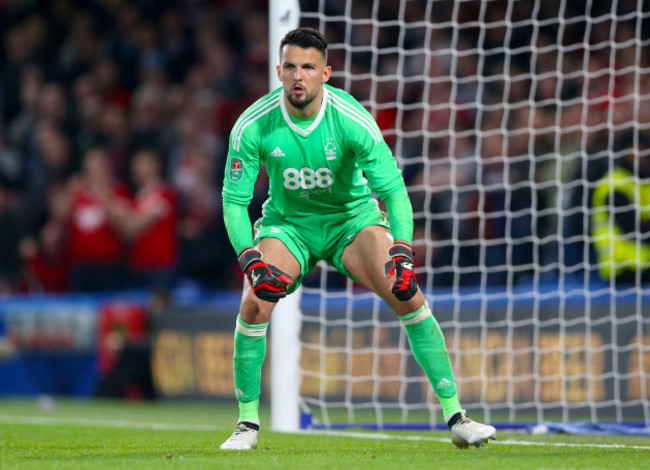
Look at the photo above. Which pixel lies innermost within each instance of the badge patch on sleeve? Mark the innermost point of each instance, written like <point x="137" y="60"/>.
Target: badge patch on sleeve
<point x="236" y="170"/>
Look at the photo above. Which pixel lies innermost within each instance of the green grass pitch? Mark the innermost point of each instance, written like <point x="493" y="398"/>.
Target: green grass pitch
<point x="90" y="434"/>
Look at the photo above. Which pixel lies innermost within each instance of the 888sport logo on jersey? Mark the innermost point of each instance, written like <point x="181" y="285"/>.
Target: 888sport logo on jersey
<point x="311" y="182"/>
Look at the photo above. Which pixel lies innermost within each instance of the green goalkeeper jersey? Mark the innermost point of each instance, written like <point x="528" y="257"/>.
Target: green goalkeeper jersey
<point x="328" y="164"/>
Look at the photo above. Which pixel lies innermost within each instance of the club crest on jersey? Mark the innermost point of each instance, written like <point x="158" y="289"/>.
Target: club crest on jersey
<point x="330" y="149"/>
<point x="236" y="170"/>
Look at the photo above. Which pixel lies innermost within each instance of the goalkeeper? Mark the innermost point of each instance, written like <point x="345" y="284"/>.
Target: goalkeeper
<point x="324" y="155"/>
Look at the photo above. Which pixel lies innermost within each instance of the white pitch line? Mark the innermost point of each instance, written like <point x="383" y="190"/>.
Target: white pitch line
<point x="104" y="423"/>
<point x="122" y="424"/>
<point x="381" y="436"/>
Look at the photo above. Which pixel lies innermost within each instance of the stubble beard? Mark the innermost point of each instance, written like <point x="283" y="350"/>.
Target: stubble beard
<point x="301" y="103"/>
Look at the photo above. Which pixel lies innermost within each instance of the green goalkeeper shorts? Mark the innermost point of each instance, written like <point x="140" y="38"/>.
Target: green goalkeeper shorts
<point x="319" y="237"/>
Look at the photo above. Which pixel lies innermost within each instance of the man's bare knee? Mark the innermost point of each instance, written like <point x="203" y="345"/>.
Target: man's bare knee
<point x="253" y="310"/>
<point x="276" y="253"/>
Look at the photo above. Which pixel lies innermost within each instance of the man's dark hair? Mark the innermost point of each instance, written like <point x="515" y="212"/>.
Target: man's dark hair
<point x="306" y="38"/>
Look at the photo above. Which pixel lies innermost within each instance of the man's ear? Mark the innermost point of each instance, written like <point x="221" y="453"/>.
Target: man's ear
<point x="326" y="74"/>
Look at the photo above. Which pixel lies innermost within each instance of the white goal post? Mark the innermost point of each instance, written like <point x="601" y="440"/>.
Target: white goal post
<point x="522" y="129"/>
<point x="285" y="335"/>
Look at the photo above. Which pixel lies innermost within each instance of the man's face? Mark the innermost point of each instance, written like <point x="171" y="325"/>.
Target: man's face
<point x="144" y="168"/>
<point x="96" y="165"/>
<point x="302" y="72"/>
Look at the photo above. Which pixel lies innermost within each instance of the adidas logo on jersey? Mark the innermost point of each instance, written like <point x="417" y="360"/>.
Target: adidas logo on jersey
<point x="277" y="152"/>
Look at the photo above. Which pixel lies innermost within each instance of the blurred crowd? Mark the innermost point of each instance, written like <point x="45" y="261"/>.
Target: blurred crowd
<point x="115" y="116"/>
<point x="114" y="123"/>
<point x="504" y="115"/>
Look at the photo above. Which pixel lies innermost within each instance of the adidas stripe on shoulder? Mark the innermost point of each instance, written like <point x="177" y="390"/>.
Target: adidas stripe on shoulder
<point x="258" y="109"/>
<point x="360" y="116"/>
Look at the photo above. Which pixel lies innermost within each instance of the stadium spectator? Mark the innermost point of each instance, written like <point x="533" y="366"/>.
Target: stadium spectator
<point x="203" y="241"/>
<point x="9" y="237"/>
<point x="12" y="171"/>
<point x="88" y="206"/>
<point x="49" y="165"/>
<point x="177" y="43"/>
<point x="150" y="126"/>
<point x="44" y="250"/>
<point x="23" y="122"/>
<point x="108" y="78"/>
<point x="47" y="266"/>
<point x="119" y="140"/>
<point x="150" y="225"/>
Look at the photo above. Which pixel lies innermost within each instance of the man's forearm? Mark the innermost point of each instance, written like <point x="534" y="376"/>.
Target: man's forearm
<point x="238" y="225"/>
<point x="400" y="216"/>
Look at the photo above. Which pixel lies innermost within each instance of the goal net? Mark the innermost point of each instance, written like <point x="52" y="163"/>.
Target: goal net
<point x="521" y="128"/>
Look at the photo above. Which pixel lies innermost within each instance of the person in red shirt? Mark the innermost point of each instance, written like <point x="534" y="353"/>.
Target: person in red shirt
<point x="150" y="225"/>
<point x="46" y="261"/>
<point x="88" y="205"/>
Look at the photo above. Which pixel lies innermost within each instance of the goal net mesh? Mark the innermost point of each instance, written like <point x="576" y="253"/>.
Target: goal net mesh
<point x="504" y="116"/>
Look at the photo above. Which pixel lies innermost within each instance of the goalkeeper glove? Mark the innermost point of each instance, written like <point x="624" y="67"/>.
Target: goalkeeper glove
<point x="268" y="282"/>
<point x="401" y="265"/>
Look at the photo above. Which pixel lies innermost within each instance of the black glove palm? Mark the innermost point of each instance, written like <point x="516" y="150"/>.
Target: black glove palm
<point x="401" y="266"/>
<point x="268" y="282"/>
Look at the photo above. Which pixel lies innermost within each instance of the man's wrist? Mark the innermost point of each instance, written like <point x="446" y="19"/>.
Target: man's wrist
<point x="248" y="256"/>
<point x="401" y="249"/>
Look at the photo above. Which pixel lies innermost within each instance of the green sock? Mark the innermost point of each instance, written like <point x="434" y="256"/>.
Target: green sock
<point x="249" y="411"/>
<point x="428" y="346"/>
<point x="450" y="406"/>
<point x="250" y="349"/>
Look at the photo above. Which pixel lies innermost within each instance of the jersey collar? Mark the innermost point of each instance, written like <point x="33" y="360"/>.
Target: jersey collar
<point x="314" y="124"/>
